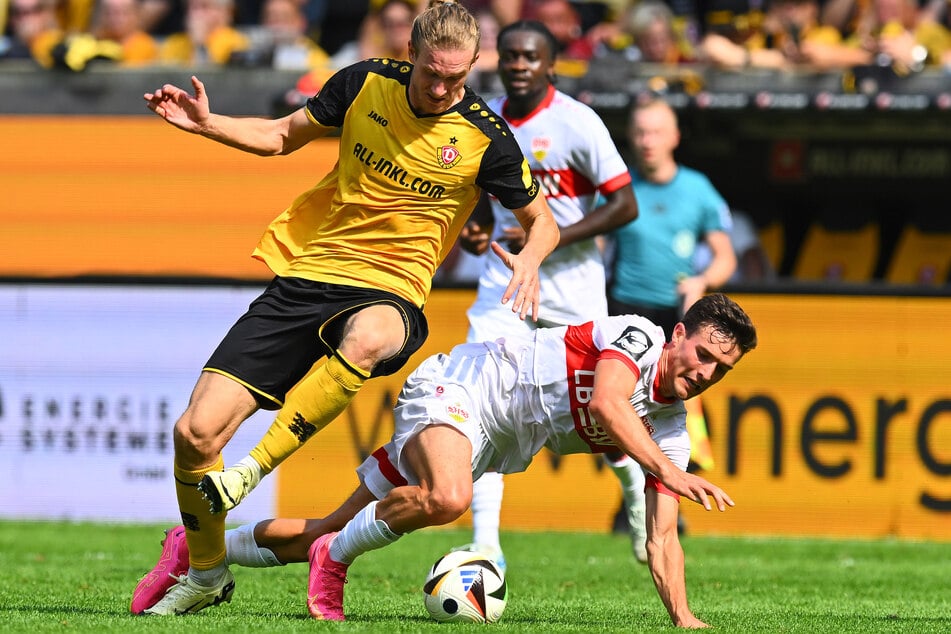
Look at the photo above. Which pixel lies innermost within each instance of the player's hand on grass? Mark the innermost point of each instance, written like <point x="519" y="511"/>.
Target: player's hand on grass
<point x="179" y="107"/>
<point x="690" y="622"/>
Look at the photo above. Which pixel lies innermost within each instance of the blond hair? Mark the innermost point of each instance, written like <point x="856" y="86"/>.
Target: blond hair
<point x="445" y="25"/>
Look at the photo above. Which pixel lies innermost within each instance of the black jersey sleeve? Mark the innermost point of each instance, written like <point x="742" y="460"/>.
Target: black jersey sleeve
<point x="504" y="172"/>
<point x="329" y="106"/>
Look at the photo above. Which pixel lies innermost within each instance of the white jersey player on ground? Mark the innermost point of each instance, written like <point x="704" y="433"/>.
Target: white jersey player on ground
<point x="573" y="158"/>
<point x="613" y="383"/>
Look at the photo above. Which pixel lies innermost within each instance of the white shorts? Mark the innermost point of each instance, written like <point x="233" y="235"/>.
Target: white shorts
<point x="675" y="443"/>
<point x="427" y="398"/>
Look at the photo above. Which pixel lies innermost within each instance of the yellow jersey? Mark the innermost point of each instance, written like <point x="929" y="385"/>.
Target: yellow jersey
<point x="402" y="188"/>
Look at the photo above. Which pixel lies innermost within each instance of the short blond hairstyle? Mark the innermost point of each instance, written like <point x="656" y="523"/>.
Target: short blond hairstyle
<point x="446" y="25"/>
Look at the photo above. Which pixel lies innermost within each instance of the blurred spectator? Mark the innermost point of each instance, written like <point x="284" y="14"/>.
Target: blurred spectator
<point x="504" y="11"/>
<point x="564" y="22"/>
<point x="161" y="18"/>
<point x="789" y="36"/>
<point x="650" y="26"/>
<point x="286" y="45"/>
<point x="893" y="31"/>
<point x="739" y="21"/>
<point x="75" y="16"/>
<point x="34" y="31"/>
<point x="488" y="61"/>
<point x="384" y="32"/>
<point x="601" y="22"/>
<point x="209" y="37"/>
<point x="38" y="34"/>
<point x="119" y="21"/>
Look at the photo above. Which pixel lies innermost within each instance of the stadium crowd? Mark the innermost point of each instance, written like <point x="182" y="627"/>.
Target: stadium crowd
<point x="678" y="41"/>
<point x="320" y="36"/>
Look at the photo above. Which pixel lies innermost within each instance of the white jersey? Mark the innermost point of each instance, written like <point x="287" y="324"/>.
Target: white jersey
<point x="513" y="396"/>
<point x="571" y="154"/>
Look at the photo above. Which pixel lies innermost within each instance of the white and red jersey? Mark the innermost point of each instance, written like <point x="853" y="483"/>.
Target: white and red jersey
<point x="513" y="396"/>
<point x="572" y="156"/>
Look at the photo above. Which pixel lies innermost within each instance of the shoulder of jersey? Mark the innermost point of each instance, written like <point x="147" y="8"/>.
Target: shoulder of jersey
<point x="478" y="113"/>
<point x="575" y="107"/>
<point x="387" y="67"/>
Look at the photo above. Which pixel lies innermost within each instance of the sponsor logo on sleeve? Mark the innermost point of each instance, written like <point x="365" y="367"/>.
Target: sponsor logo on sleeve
<point x="634" y="341"/>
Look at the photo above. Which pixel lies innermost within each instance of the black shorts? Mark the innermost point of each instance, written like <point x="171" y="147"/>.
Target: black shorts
<point x="292" y="325"/>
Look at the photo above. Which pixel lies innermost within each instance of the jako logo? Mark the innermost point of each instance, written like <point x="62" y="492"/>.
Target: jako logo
<point x="378" y="118"/>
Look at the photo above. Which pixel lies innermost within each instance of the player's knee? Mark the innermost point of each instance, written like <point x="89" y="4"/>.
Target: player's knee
<point x="196" y="437"/>
<point x="373" y="335"/>
<point x="447" y="505"/>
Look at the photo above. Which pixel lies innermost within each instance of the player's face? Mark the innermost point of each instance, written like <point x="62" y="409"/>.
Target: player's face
<point x="696" y="362"/>
<point x="654" y="136"/>
<point x="439" y="77"/>
<point x="525" y="65"/>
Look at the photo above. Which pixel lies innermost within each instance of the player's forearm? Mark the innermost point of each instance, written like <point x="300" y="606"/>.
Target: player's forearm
<point x="667" y="570"/>
<point x="617" y="211"/>
<point x="254" y="135"/>
<point x="541" y="232"/>
<point x="719" y="272"/>
<point x="631" y="436"/>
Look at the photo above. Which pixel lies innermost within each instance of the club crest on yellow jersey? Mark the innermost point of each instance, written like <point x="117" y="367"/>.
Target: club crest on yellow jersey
<point x="447" y="156"/>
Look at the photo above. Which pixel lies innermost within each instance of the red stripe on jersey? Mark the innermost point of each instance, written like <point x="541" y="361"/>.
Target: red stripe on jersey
<point x="387" y="469"/>
<point x="615" y="183"/>
<point x="657" y="485"/>
<point x="623" y="358"/>
<point x="581" y="356"/>
<point x="565" y="182"/>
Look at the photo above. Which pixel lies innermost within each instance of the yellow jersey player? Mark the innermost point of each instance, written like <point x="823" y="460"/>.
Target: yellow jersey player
<point x="353" y="258"/>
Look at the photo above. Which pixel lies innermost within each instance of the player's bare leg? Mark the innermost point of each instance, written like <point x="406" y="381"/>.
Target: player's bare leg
<point x="440" y="457"/>
<point x="370" y="335"/>
<point x="218" y="405"/>
<point x="290" y="539"/>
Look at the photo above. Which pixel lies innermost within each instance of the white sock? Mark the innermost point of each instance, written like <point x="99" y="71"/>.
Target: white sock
<point x="486" y="507"/>
<point x="241" y="549"/>
<point x="256" y="472"/>
<point x="208" y="578"/>
<point x="631" y="476"/>
<point x="361" y="534"/>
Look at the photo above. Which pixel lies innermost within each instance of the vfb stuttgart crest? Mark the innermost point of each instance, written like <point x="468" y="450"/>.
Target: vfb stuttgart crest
<point x="448" y="156"/>
<point x="540" y="147"/>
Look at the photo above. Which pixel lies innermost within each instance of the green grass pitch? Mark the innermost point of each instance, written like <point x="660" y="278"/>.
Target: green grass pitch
<point x="63" y="577"/>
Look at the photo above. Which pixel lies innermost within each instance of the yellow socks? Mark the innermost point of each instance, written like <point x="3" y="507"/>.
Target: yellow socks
<point x="205" y="532"/>
<point x="318" y="399"/>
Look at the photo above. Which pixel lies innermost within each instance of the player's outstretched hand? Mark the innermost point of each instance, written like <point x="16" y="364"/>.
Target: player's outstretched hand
<point x="700" y="491"/>
<point x="523" y="288"/>
<point x="180" y="108"/>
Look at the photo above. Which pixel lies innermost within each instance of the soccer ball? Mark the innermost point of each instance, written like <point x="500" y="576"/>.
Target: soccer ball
<point x="465" y="587"/>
